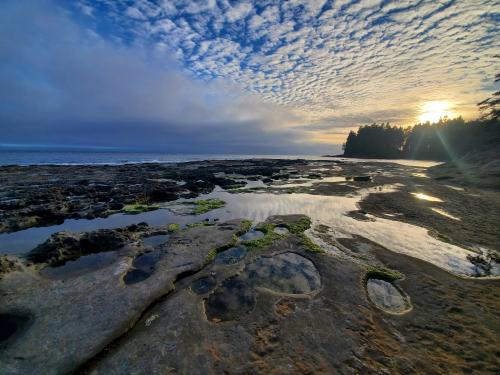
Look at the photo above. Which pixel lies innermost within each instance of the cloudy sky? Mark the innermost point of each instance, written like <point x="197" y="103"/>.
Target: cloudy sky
<point x="220" y="76"/>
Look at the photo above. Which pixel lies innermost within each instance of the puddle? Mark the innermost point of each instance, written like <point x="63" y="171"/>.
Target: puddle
<point x="455" y="188"/>
<point x="203" y="285"/>
<point x="135" y="276"/>
<point x="25" y="240"/>
<point x="81" y="266"/>
<point x="281" y="230"/>
<point x="426" y="197"/>
<point x="252" y="234"/>
<point x="387" y="297"/>
<point x="231" y="256"/>
<point x="288" y="273"/>
<point x="328" y="210"/>
<point x="251" y="184"/>
<point x="444" y="213"/>
<point x="231" y="300"/>
<point x="419" y="174"/>
<point x="10" y="324"/>
<point x="143" y="267"/>
<point x="154" y="241"/>
<point x="310" y="182"/>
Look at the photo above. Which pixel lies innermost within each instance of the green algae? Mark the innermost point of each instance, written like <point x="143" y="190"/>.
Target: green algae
<point x="383" y="274"/>
<point x="206" y="205"/>
<point x="138" y="208"/>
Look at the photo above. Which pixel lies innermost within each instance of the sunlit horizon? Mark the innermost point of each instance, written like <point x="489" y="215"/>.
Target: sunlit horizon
<point x="433" y="111"/>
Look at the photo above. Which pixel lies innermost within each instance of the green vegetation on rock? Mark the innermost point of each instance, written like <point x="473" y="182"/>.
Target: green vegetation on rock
<point x="173" y="227"/>
<point x="269" y="237"/>
<point x="205" y="205"/>
<point x="199" y="224"/>
<point x="309" y="244"/>
<point x="298" y="228"/>
<point x="213" y="253"/>
<point x="137" y="208"/>
<point x="383" y="274"/>
<point x="245" y="226"/>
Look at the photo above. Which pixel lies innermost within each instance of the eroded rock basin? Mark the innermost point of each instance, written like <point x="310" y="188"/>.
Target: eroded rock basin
<point x="10" y="325"/>
<point x="387" y="297"/>
<point x="231" y="256"/>
<point x="286" y="273"/>
<point x="280" y="308"/>
<point x="80" y="266"/>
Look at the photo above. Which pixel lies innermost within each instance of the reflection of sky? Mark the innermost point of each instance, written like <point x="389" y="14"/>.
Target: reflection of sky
<point x="396" y="236"/>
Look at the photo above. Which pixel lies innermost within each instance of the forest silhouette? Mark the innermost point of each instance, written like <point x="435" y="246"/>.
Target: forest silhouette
<point x="446" y="139"/>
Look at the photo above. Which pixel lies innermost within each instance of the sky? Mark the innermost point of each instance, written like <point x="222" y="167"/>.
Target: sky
<point x="245" y="77"/>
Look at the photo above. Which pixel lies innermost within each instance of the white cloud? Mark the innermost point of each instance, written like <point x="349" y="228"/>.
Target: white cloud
<point x="135" y="13"/>
<point x="359" y="61"/>
<point x="241" y="10"/>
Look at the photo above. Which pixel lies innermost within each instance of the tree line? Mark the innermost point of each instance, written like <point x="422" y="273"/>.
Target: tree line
<point x="446" y="139"/>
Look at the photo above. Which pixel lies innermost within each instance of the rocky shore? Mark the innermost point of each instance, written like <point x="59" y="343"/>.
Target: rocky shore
<point x="286" y="294"/>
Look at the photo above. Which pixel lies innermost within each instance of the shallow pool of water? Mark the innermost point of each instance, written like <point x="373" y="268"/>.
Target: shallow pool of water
<point x="281" y="230"/>
<point x="80" y="266"/>
<point x="143" y="266"/>
<point x="231" y="256"/>
<point x="426" y="197"/>
<point x="309" y="182"/>
<point x="445" y="213"/>
<point x="288" y="273"/>
<point x="386" y="296"/>
<point x="203" y="285"/>
<point x="156" y="240"/>
<point x="252" y="234"/>
<point x="231" y="300"/>
<point x="328" y="210"/>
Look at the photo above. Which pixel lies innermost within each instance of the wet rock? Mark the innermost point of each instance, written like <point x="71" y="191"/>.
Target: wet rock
<point x="8" y="264"/>
<point x="362" y="178"/>
<point x="115" y="206"/>
<point x="64" y="246"/>
<point x="360" y="215"/>
<point x="230" y="301"/>
<point x="10" y="325"/>
<point x="161" y="195"/>
<point x="203" y="284"/>
<point x="155" y="240"/>
<point x="231" y="256"/>
<point x="73" y="320"/>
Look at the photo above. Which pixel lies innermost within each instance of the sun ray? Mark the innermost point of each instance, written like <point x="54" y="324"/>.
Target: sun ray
<point x="433" y="111"/>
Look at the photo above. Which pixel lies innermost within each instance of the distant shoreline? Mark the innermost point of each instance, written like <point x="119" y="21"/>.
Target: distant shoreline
<point x="379" y="158"/>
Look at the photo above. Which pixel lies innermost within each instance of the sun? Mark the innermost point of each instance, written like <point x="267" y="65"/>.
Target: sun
<point x="435" y="110"/>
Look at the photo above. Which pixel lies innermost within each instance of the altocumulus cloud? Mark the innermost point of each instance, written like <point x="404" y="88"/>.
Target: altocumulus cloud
<point x="62" y="83"/>
<point x="239" y="76"/>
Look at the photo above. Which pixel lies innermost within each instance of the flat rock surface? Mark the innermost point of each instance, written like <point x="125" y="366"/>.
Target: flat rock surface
<point x="295" y="295"/>
<point x="74" y="319"/>
<point x="332" y="327"/>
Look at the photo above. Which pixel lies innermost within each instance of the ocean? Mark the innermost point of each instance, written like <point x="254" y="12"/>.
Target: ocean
<point x="9" y="157"/>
